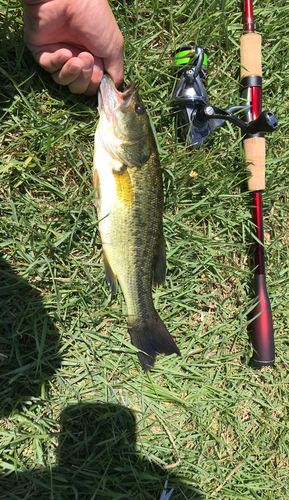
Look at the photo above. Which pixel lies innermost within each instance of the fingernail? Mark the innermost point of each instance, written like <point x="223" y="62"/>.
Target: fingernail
<point x="74" y="70"/>
<point x="87" y="67"/>
<point x="63" y="59"/>
<point x="97" y="70"/>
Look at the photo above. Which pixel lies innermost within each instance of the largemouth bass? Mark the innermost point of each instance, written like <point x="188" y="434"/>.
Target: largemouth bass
<point x="129" y="200"/>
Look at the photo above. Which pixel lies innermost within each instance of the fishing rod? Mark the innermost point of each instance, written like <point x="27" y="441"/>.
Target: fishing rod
<point x="198" y="118"/>
<point x="254" y="148"/>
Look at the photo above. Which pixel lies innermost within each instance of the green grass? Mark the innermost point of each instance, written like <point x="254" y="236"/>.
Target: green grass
<point x="79" y="418"/>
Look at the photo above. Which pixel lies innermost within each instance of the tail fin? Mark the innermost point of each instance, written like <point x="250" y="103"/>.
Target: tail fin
<point x="151" y="337"/>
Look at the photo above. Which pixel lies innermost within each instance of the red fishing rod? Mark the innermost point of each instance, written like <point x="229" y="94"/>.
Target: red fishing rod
<point x="254" y="147"/>
<point x="198" y="118"/>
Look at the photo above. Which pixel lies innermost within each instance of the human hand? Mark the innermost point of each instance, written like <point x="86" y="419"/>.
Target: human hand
<point x="74" y="40"/>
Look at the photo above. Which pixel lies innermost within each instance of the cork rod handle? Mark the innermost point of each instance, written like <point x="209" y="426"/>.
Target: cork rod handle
<point x="250" y="55"/>
<point x="254" y="147"/>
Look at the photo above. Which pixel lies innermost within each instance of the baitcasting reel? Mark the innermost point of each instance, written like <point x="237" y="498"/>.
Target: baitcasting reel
<point x="197" y="116"/>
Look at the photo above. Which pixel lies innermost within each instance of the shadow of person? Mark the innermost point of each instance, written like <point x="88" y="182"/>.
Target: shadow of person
<point x="97" y="459"/>
<point x="29" y="342"/>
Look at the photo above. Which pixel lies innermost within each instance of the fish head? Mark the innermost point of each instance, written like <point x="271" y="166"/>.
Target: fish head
<point x="124" y="128"/>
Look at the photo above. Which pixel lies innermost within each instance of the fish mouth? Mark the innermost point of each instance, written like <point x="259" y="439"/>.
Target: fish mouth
<point x="110" y="99"/>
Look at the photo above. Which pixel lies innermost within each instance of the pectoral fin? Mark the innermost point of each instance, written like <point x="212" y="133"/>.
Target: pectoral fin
<point x="111" y="279"/>
<point x="123" y="186"/>
<point x="159" y="274"/>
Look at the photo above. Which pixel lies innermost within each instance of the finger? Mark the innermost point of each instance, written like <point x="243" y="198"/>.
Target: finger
<point x="69" y="72"/>
<point x="53" y="61"/>
<point x="115" y="70"/>
<point x="80" y="84"/>
<point x="96" y="77"/>
<point x="113" y="65"/>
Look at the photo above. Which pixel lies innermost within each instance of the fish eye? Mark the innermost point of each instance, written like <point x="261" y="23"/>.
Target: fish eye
<point x="139" y="109"/>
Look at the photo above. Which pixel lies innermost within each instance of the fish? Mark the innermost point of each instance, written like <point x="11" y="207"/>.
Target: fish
<point x="127" y="181"/>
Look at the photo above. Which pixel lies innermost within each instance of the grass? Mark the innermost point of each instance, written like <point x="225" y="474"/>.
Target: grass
<point x="79" y="418"/>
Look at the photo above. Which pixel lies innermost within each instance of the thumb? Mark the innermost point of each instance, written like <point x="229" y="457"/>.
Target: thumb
<point x="113" y="65"/>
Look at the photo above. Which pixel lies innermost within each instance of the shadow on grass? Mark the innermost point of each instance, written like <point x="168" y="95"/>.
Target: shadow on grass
<point x="96" y="456"/>
<point x="29" y="342"/>
<point x="96" y="459"/>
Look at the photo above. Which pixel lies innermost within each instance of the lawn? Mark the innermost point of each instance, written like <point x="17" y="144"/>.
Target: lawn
<point x="79" y="417"/>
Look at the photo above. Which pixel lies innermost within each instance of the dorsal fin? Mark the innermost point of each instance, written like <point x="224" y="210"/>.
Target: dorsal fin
<point x="159" y="274"/>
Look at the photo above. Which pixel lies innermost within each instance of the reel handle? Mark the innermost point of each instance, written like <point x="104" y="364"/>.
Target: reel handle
<point x="266" y="121"/>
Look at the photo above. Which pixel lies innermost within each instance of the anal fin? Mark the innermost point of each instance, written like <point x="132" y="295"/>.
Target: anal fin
<point x="111" y="279"/>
